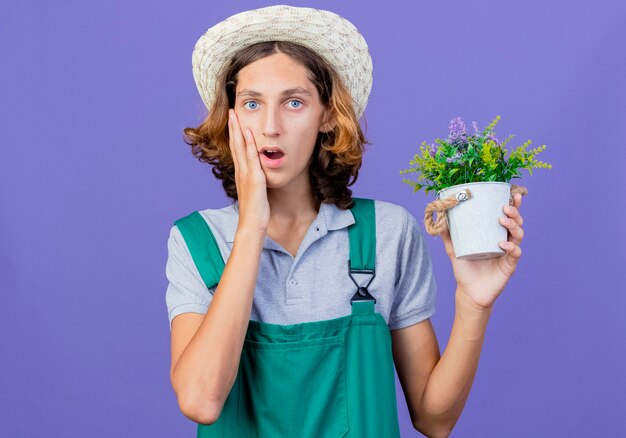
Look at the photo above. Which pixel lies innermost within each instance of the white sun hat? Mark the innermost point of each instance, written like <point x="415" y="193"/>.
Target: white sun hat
<point x="333" y="37"/>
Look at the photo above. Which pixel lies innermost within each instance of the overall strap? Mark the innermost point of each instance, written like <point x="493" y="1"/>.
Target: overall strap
<point x="203" y="247"/>
<point x="362" y="236"/>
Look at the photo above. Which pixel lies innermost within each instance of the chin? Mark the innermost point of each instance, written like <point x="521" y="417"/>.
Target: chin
<point x="281" y="179"/>
<point x="273" y="182"/>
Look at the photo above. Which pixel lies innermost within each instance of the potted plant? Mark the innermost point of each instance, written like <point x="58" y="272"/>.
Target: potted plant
<point x="471" y="175"/>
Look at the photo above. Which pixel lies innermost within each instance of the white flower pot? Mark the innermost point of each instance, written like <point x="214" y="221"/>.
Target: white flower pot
<point x="474" y="223"/>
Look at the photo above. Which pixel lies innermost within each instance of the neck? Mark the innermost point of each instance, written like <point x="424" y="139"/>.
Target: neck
<point x="291" y="205"/>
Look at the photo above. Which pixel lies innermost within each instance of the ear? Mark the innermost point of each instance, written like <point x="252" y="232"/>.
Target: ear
<point x="328" y="122"/>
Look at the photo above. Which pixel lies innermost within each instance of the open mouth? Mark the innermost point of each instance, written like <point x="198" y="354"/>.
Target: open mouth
<point x="273" y="155"/>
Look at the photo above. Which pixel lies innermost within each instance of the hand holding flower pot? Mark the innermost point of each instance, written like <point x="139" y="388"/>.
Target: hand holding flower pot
<point x="471" y="177"/>
<point x="483" y="280"/>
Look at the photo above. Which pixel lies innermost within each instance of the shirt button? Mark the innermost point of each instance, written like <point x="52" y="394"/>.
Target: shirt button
<point x="293" y="281"/>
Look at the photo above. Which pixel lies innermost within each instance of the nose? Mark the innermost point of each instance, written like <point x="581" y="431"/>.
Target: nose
<point x="271" y="122"/>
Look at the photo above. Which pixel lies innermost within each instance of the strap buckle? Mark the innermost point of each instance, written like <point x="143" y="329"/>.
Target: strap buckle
<point x="362" y="294"/>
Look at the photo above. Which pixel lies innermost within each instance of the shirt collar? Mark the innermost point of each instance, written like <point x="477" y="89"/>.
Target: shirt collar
<point x="330" y="217"/>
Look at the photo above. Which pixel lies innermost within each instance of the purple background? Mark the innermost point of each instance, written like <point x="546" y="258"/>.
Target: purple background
<point x="93" y="171"/>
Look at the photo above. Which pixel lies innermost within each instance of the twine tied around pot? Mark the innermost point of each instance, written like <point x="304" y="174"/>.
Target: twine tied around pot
<point x="441" y="206"/>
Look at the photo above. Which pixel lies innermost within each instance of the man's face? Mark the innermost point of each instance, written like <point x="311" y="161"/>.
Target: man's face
<point x="278" y="117"/>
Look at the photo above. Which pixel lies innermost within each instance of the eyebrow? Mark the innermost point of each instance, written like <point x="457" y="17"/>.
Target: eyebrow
<point x="287" y="92"/>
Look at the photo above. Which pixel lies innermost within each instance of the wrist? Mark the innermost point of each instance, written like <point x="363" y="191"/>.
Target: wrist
<point x="469" y="307"/>
<point x="250" y="236"/>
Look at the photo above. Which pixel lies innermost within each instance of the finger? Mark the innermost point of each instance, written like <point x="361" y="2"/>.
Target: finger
<point x="513" y="213"/>
<point x="516" y="232"/>
<point x="251" y="150"/>
<point x="233" y="153"/>
<point x="239" y="143"/>
<point x="513" y="251"/>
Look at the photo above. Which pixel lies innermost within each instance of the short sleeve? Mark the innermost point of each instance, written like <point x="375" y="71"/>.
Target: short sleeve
<point x="415" y="288"/>
<point x="186" y="291"/>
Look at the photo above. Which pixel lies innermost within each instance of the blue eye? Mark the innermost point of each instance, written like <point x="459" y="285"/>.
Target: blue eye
<point x="300" y="103"/>
<point x="250" y="101"/>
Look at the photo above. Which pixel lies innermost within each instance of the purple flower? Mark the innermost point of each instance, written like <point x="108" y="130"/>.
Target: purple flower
<point x="492" y="137"/>
<point x="454" y="158"/>
<point x="475" y="127"/>
<point x="457" y="130"/>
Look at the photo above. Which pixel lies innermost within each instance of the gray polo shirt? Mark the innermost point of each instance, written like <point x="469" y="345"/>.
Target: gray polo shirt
<point x="315" y="285"/>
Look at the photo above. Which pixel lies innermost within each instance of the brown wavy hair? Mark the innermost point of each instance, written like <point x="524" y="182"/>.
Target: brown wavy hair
<point x="337" y="155"/>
